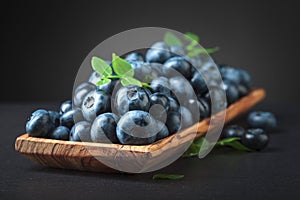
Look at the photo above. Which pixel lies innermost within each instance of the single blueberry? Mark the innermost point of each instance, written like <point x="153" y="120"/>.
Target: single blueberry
<point x="187" y="118"/>
<point x="81" y="132"/>
<point x="232" y="92"/>
<point x="163" y="130"/>
<point x="132" y="98"/>
<point x="231" y="74"/>
<point x="81" y="91"/>
<point x="173" y="122"/>
<point x="135" y="56"/>
<point x="181" y="88"/>
<point x="60" y="133"/>
<point x="65" y="107"/>
<point x="137" y="128"/>
<point x="159" y="106"/>
<point x="198" y="83"/>
<point x="158" y="53"/>
<point x="177" y="50"/>
<point x="255" y="139"/>
<point x="95" y="103"/>
<point x="104" y="128"/>
<point x="181" y="65"/>
<point x="263" y="120"/>
<point x="71" y="117"/>
<point x="108" y="88"/>
<point x="160" y="84"/>
<point x="39" y="124"/>
<point x="233" y="131"/>
<point x="144" y="71"/>
<point x="243" y="90"/>
<point x="55" y="117"/>
<point x="246" y="79"/>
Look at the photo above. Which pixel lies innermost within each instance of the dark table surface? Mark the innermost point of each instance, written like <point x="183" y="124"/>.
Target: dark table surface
<point x="223" y="174"/>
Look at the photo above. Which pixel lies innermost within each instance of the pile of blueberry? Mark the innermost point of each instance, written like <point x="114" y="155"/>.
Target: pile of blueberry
<point x="134" y="114"/>
<point x="256" y="136"/>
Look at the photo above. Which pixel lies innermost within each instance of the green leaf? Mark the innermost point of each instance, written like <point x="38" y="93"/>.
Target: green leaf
<point x="194" y="148"/>
<point x="197" y="51"/>
<point x="172" y="40"/>
<point x="127" y="80"/>
<point x="121" y="66"/>
<point x="191" y="36"/>
<point x="192" y="45"/>
<point x="168" y="176"/>
<point x="103" y="81"/>
<point x="234" y="143"/>
<point x="101" y="67"/>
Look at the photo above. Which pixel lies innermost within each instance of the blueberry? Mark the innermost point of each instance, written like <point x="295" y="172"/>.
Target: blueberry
<point x="173" y="104"/>
<point x="181" y="65"/>
<point x="177" y="50"/>
<point x="198" y="83"/>
<point x="231" y="74"/>
<point x="60" y="133"/>
<point x="95" y="103"/>
<point x="55" y="117"/>
<point x="263" y="120"/>
<point x="232" y="92"/>
<point x="186" y="117"/>
<point x="135" y="56"/>
<point x="81" y="132"/>
<point x="255" y="139"/>
<point x="204" y="108"/>
<point x="71" y="117"/>
<point x="65" y="106"/>
<point x="39" y="124"/>
<point x="210" y="73"/>
<point x="159" y="106"/>
<point x="243" y="90"/>
<point x="132" y="98"/>
<point x="81" y="91"/>
<point x="108" y="88"/>
<point x="233" y="131"/>
<point x="159" y="53"/>
<point x="202" y="105"/>
<point x="144" y="71"/>
<point x="94" y="78"/>
<point x="246" y="79"/>
<point x="104" y="128"/>
<point x="163" y="130"/>
<point x="137" y="127"/>
<point x="181" y="88"/>
<point x="218" y="96"/>
<point x="173" y="122"/>
<point x="160" y="84"/>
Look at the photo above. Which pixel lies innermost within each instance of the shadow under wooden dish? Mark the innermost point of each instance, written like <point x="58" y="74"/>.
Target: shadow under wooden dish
<point x="86" y="155"/>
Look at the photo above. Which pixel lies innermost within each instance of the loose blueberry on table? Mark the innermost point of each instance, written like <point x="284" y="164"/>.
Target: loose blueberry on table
<point x="101" y="112"/>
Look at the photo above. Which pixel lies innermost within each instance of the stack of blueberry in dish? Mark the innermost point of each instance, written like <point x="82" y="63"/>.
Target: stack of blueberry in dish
<point x="144" y="97"/>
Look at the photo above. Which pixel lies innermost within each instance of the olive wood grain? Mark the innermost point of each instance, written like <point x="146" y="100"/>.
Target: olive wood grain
<point x="82" y="155"/>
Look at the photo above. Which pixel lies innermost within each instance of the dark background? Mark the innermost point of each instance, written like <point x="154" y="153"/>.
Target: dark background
<point x="43" y="42"/>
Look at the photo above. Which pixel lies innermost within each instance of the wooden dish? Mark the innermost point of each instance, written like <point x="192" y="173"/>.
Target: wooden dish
<point x="82" y="156"/>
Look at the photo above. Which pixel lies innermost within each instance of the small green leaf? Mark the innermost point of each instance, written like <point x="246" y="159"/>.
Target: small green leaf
<point x="121" y="66"/>
<point x="212" y="50"/>
<point x="194" y="148"/>
<point x="197" y="51"/>
<point x="127" y="80"/>
<point x="168" y="176"/>
<point x="191" y="36"/>
<point x="101" y="67"/>
<point x="172" y="40"/>
<point x="103" y="81"/>
<point x="234" y="143"/>
<point x="192" y="45"/>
